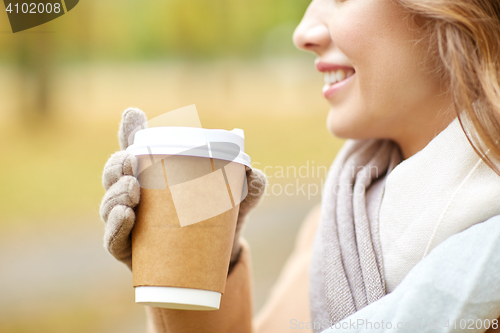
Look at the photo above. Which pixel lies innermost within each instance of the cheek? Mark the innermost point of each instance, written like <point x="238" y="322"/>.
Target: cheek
<point x="359" y="35"/>
<point x="357" y="27"/>
<point x="349" y="35"/>
<point x="377" y="39"/>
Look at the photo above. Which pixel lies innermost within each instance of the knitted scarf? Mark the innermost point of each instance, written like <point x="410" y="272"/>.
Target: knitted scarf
<point x="346" y="272"/>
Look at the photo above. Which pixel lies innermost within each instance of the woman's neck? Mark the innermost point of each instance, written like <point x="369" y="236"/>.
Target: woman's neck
<point x="417" y="136"/>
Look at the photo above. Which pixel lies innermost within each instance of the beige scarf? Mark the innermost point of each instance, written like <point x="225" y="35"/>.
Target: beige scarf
<point x="346" y="269"/>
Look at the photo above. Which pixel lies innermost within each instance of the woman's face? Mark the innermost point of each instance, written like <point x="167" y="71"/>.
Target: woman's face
<point x="377" y="73"/>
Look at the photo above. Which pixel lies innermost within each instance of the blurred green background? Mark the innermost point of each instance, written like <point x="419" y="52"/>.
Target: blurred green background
<point x="63" y="87"/>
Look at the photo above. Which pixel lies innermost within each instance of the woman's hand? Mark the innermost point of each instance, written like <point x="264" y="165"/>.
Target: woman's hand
<point x="123" y="194"/>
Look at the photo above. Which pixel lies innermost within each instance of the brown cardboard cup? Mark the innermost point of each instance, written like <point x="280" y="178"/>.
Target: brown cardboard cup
<point x="184" y="229"/>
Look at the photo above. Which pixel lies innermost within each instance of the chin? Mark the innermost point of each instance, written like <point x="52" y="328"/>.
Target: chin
<point x="350" y="123"/>
<point x="339" y="128"/>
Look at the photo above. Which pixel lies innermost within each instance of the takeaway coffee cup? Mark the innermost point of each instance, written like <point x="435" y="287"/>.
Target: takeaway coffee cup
<point x="192" y="181"/>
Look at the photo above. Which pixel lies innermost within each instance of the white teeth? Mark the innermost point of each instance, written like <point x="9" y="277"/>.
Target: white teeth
<point x="340" y="75"/>
<point x="330" y="78"/>
<point x="337" y="76"/>
<point x="333" y="78"/>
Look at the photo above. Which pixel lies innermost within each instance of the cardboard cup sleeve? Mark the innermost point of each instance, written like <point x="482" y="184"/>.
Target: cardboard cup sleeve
<point x="184" y="230"/>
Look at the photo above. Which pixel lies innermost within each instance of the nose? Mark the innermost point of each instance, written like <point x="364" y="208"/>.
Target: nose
<point x="312" y="35"/>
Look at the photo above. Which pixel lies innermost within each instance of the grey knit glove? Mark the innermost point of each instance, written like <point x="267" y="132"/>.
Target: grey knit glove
<point x="123" y="193"/>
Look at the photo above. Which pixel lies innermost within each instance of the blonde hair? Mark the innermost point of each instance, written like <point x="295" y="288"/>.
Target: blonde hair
<point x="466" y="34"/>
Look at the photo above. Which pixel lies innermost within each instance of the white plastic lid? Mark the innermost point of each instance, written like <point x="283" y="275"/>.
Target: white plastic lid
<point x="174" y="140"/>
<point x="177" y="298"/>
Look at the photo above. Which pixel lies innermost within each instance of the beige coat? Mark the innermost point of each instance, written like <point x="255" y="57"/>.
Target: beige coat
<point x="289" y="299"/>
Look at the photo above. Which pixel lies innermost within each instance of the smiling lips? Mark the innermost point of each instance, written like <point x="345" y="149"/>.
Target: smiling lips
<point x="336" y="76"/>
